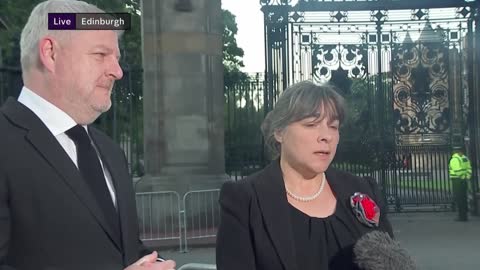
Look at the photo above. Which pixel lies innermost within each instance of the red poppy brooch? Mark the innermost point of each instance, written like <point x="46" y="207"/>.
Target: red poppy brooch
<point x="365" y="209"/>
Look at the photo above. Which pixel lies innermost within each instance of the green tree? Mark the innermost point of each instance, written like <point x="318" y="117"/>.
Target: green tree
<point x="14" y="14"/>
<point x="232" y="53"/>
<point x="243" y="106"/>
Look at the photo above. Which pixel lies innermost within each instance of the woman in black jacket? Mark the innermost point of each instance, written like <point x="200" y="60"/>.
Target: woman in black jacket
<point x="297" y="213"/>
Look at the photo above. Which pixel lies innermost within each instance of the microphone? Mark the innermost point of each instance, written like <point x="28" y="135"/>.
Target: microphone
<point x="376" y="250"/>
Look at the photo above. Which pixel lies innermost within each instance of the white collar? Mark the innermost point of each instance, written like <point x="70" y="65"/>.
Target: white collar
<point x="56" y="120"/>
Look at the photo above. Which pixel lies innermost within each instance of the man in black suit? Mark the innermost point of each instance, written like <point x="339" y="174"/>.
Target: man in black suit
<point x="66" y="197"/>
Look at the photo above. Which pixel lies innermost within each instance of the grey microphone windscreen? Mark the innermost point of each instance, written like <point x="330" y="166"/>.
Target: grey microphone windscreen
<point x="376" y="250"/>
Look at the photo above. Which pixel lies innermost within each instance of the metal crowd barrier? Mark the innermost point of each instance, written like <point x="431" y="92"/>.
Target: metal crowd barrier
<point x="163" y="216"/>
<point x="201" y="215"/>
<point x="198" y="266"/>
<point x="159" y="216"/>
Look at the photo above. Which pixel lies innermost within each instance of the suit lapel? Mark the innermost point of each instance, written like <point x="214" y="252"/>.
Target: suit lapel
<point x="343" y="186"/>
<point x="113" y="165"/>
<point x="107" y="157"/>
<point x="48" y="147"/>
<point x="339" y="185"/>
<point x="271" y="196"/>
<point x="115" y="162"/>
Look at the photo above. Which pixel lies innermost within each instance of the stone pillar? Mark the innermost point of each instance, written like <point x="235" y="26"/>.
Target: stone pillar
<point x="183" y="95"/>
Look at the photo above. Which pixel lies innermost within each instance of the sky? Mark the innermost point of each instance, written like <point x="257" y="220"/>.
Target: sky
<point x="250" y="35"/>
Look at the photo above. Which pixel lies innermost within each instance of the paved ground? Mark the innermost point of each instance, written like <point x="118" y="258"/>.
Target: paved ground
<point x="435" y="240"/>
<point x="438" y="242"/>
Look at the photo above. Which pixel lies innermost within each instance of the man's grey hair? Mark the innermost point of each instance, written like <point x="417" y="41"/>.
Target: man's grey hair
<point x="299" y="101"/>
<point x="37" y="27"/>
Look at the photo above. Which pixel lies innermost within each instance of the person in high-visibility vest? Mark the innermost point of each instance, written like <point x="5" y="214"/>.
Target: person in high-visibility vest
<point x="460" y="171"/>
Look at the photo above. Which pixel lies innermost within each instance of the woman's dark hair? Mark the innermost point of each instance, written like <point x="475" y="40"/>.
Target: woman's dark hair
<point x="299" y="101"/>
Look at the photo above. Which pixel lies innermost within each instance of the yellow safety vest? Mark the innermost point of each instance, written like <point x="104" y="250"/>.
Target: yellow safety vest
<point x="460" y="167"/>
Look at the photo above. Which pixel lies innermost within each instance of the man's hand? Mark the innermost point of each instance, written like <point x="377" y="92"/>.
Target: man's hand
<point x="150" y="262"/>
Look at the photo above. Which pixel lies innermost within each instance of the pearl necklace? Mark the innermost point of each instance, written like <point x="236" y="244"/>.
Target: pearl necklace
<point x="308" y="198"/>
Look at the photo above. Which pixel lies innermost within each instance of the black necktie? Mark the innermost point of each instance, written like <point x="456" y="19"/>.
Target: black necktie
<point x="92" y="172"/>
